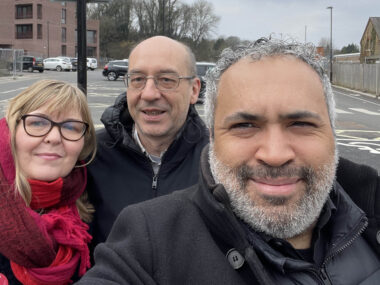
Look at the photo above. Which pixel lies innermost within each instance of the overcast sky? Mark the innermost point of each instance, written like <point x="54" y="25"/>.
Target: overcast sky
<point x="251" y="19"/>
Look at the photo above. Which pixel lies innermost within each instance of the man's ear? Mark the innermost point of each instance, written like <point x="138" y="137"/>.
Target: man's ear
<point x="196" y="87"/>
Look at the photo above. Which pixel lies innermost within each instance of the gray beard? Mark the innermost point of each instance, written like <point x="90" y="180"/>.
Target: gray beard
<point x="280" y="219"/>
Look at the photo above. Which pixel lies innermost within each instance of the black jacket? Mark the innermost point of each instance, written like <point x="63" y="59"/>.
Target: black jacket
<point x="122" y="175"/>
<point x="5" y="268"/>
<point x="192" y="237"/>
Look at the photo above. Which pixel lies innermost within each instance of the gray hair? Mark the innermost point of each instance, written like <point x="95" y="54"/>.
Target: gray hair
<point x="258" y="50"/>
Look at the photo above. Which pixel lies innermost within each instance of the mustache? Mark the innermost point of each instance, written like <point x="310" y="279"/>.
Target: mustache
<point x="152" y="105"/>
<point x="245" y="172"/>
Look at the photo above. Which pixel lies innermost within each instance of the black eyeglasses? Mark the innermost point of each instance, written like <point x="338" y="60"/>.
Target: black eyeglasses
<point x="162" y="81"/>
<point x="39" y="126"/>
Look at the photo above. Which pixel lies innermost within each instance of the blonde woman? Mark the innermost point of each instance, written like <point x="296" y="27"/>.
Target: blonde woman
<point x="46" y="135"/>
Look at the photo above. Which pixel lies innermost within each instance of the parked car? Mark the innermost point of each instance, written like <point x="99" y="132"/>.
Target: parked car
<point x="92" y="63"/>
<point x="202" y="68"/>
<point x="74" y="63"/>
<point x="57" y="63"/>
<point x="29" y="63"/>
<point x="115" y="68"/>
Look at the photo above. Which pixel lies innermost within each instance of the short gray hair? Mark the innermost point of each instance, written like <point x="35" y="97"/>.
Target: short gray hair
<point x="258" y="50"/>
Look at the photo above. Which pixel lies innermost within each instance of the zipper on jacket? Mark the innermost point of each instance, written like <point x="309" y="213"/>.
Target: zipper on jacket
<point x="347" y="244"/>
<point x="321" y="273"/>
<point x="324" y="277"/>
<point x="154" y="182"/>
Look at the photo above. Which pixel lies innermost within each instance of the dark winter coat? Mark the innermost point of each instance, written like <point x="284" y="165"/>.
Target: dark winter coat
<point x="5" y="268"/>
<point x="122" y="175"/>
<point x="192" y="237"/>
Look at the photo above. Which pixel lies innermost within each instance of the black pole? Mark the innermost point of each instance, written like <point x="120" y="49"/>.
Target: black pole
<point x="331" y="48"/>
<point x="48" y="40"/>
<point x="82" y="46"/>
<point x="163" y="17"/>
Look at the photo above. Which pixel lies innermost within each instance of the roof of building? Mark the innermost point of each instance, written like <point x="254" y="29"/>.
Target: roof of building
<point x="375" y="23"/>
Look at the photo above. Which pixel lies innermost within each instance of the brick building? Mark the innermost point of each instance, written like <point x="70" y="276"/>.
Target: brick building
<point x="370" y="42"/>
<point x="44" y="28"/>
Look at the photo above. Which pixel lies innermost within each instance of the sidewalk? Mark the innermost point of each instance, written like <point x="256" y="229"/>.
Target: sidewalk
<point x="356" y="91"/>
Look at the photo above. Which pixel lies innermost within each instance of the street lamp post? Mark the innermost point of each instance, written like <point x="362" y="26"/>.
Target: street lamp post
<point x="163" y="17"/>
<point x="331" y="51"/>
<point x="48" y="40"/>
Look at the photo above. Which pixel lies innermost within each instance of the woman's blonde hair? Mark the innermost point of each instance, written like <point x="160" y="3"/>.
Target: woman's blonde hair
<point x="57" y="97"/>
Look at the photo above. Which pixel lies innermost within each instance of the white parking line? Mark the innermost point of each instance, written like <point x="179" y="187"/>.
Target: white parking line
<point x="10" y="91"/>
<point x="365" y="111"/>
<point x="340" y="111"/>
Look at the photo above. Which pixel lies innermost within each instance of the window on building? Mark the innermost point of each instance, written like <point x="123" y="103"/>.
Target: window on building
<point x="24" y="11"/>
<point x="63" y="36"/>
<point x="91" y="51"/>
<point x="91" y="37"/>
<point x="63" y="16"/>
<point x="24" y="31"/>
<point x="63" y="50"/>
<point x="39" y="11"/>
<point x="39" y="31"/>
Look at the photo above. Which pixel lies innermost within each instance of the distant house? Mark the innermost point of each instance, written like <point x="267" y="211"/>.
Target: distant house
<point x="370" y="42"/>
<point x="44" y="28"/>
<point x="321" y="51"/>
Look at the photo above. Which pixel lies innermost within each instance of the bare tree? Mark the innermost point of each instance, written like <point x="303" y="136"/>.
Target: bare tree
<point x="147" y="12"/>
<point x="115" y="22"/>
<point x="124" y="22"/>
<point x="203" y="21"/>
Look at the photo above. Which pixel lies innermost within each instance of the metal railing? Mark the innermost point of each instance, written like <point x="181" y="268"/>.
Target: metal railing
<point x="10" y="62"/>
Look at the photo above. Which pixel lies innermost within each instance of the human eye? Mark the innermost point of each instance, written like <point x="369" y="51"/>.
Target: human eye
<point x="243" y="129"/>
<point x="167" y="80"/>
<point x="303" y="124"/>
<point x="72" y="126"/>
<point x="36" y="122"/>
<point x="243" y="125"/>
<point x="137" y="78"/>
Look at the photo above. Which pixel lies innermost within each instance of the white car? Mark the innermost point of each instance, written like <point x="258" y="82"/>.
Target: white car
<point x="57" y="63"/>
<point x="92" y="63"/>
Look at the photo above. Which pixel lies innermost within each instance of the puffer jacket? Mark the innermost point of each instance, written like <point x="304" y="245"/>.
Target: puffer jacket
<point x="122" y="175"/>
<point x="192" y="237"/>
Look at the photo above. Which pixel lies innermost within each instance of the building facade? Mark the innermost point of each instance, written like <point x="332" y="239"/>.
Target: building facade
<point x="44" y="28"/>
<point x="370" y="42"/>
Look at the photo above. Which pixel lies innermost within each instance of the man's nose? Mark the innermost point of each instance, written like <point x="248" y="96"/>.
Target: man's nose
<point x="150" y="91"/>
<point x="275" y="147"/>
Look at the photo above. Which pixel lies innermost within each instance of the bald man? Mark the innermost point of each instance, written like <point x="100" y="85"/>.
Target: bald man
<point x="153" y="137"/>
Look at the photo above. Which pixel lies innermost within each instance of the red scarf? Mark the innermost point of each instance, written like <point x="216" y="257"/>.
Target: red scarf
<point x="43" y="249"/>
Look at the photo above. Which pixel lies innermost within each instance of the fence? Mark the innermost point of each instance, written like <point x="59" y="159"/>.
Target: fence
<point x="359" y="76"/>
<point x="10" y="61"/>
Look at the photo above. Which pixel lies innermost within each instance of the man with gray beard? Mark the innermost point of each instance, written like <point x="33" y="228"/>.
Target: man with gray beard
<point x="267" y="208"/>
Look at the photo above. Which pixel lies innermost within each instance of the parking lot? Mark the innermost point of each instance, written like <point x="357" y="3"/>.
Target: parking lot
<point x="101" y="93"/>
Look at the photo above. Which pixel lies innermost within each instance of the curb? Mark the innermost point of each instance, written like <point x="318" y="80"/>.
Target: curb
<point x="356" y="91"/>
